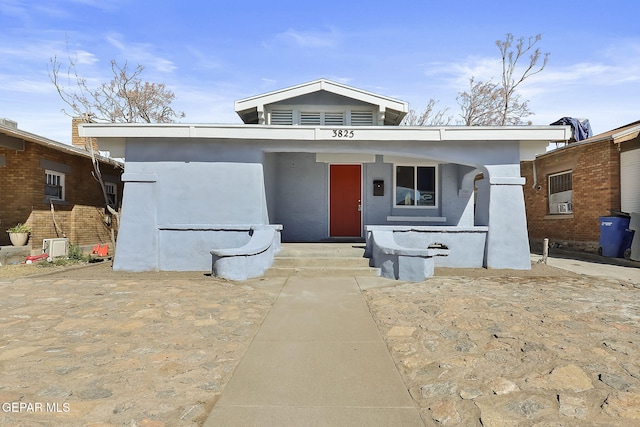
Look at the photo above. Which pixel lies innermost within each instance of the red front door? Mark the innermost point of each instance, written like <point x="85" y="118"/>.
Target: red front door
<point x="345" y="188"/>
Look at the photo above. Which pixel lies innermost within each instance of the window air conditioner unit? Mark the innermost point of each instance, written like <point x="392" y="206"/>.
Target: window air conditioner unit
<point x="564" y="208"/>
<point x="56" y="247"/>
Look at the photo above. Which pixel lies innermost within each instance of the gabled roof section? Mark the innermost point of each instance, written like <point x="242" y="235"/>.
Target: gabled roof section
<point x="13" y="138"/>
<point x="251" y="110"/>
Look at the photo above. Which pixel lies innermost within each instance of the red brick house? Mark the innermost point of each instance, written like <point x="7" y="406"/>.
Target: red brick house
<point x="49" y="186"/>
<point x="568" y="188"/>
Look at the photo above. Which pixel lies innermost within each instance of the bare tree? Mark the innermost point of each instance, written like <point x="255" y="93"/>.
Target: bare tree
<point x="512" y="108"/>
<point x="493" y="104"/>
<point x="429" y="117"/>
<point x="124" y="99"/>
<point x="480" y="106"/>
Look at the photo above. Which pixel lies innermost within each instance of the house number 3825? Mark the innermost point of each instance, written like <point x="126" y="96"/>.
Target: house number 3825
<point x="340" y="133"/>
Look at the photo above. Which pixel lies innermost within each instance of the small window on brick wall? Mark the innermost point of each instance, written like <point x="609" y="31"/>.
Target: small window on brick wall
<point x="112" y="194"/>
<point x="561" y="193"/>
<point x="53" y="185"/>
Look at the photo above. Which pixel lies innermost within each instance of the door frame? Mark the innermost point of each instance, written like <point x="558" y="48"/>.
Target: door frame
<point x="329" y="198"/>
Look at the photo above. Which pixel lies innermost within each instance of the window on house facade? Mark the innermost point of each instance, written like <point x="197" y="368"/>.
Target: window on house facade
<point x="362" y="118"/>
<point x="53" y="185"/>
<point x="282" y="117"/>
<point x="112" y="193"/>
<point x="310" y="118"/>
<point x="334" y="119"/>
<point x="561" y="193"/>
<point x="320" y="118"/>
<point x="415" y="186"/>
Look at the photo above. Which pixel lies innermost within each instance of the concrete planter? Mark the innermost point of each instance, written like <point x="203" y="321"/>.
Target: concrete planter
<point x="19" y="239"/>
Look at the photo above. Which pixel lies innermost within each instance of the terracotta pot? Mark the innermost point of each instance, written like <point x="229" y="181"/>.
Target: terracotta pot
<point x="19" y="239"/>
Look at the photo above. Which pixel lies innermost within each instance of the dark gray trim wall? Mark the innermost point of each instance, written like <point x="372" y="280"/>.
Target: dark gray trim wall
<point x="55" y="166"/>
<point x="11" y="142"/>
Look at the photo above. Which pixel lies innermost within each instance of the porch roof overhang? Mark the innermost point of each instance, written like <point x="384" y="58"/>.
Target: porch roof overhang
<point x="532" y="139"/>
<point x="251" y="109"/>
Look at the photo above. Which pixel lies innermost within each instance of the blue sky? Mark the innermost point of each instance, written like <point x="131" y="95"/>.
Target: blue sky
<point x="211" y="53"/>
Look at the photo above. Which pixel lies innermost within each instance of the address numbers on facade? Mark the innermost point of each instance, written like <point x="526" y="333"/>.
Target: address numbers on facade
<point x="342" y="133"/>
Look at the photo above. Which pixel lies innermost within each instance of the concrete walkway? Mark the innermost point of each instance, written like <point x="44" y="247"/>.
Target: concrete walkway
<point x="595" y="268"/>
<point x="317" y="360"/>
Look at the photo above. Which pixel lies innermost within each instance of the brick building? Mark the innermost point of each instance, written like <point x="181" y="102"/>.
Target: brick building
<point x="568" y="188"/>
<point x="49" y="186"/>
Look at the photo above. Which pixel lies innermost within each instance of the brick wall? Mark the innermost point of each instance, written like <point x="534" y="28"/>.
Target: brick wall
<point x="596" y="190"/>
<point x="75" y="136"/>
<point x="22" y="190"/>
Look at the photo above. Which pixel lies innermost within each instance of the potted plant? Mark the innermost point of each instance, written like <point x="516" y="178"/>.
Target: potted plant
<point x="19" y="234"/>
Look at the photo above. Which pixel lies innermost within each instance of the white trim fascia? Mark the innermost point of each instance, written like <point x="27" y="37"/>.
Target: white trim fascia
<point x="325" y="133"/>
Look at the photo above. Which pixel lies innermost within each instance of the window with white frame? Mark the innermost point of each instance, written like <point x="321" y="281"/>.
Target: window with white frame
<point x="53" y="185"/>
<point x="415" y="186"/>
<point x="112" y="193"/>
<point x="561" y="193"/>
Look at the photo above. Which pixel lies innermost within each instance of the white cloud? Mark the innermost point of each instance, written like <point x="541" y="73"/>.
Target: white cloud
<point x="203" y="60"/>
<point x="142" y="53"/>
<point x="310" y="39"/>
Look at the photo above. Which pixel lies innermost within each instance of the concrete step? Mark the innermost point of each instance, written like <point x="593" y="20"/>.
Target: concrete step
<point x="322" y="271"/>
<point x="321" y="259"/>
<point x="322" y="250"/>
<point x="309" y="261"/>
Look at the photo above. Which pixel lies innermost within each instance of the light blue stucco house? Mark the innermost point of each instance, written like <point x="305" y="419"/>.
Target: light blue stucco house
<point x="316" y="162"/>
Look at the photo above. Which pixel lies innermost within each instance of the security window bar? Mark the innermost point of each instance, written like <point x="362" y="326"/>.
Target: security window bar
<point x="112" y="194"/>
<point x="415" y="186"/>
<point x="561" y="193"/>
<point x="54" y="185"/>
<point x="560" y="183"/>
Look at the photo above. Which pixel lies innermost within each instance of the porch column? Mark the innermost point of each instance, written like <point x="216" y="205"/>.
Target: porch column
<point x="137" y="247"/>
<point x="507" y="238"/>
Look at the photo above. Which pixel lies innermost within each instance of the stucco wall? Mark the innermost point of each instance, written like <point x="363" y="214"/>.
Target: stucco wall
<point x="376" y="208"/>
<point x="174" y="182"/>
<point x="297" y="195"/>
<point x="170" y="209"/>
<point x="302" y="203"/>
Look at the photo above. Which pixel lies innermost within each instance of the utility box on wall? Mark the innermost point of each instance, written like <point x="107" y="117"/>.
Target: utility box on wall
<point x="56" y="247"/>
<point x="378" y="187"/>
